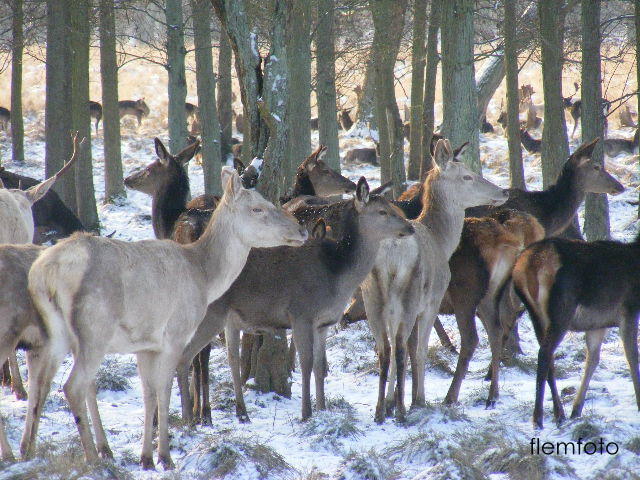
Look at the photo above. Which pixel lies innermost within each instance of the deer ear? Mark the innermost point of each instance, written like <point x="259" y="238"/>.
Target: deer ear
<point x="231" y="181"/>
<point x="238" y="166"/>
<point x="161" y="151"/>
<point x="36" y="192"/>
<point x="319" y="229"/>
<point x="322" y="153"/>
<point x="187" y="153"/>
<point x="585" y="151"/>
<point x="362" y="193"/>
<point x="442" y="153"/>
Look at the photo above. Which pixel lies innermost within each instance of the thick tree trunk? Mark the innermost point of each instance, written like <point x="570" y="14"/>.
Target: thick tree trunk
<point x="225" y="96"/>
<point x="206" y="86"/>
<point x="17" y="47"/>
<point x="388" y="21"/>
<point x="637" y="21"/>
<point x="596" y="215"/>
<point x="365" y="114"/>
<point x="58" y="98"/>
<point x="113" y="186"/>
<point x="555" y="147"/>
<point x="459" y="94"/>
<point x="177" y="85"/>
<point x="299" y="58"/>
<point x="430" y="76"/>
<point x="417" y="86"/>
<point x="516" y="169"/>
<point x="81" y="119"/>
<point x="326" y="83"/>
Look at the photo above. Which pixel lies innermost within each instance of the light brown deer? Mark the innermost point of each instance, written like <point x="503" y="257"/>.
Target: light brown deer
<point x="89" y="294"/>
<point x="626" y="117"/>
<point x="136" y="108"/>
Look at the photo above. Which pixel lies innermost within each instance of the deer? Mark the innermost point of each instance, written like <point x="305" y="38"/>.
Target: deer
<point x="95" y="112"/>
<point x="344" y="119"/>
<point x="615" y="146"/>
<point x="192" y="111"/>
<point x="625" y="116"/>
<point x="89" y="295"/>
<point x="575" y="110"/>
<point x="137" y="108"/>
<point x="570" y="285"/>
<point x="5" y="119"/>
<point x="363" y="155"/>
<point x="532" y="145"/>
<point x="239" y="121"/>
<point x="314" y="283"/>
<point x="404" y="290"/>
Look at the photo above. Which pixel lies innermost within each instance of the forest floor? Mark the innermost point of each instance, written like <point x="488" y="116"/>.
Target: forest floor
<point x="465" y="441"/>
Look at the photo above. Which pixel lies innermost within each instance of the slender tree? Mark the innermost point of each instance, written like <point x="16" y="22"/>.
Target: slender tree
<point x="418" y="53"/>
<point x="206" y="86"/>
<point x="225" y="96"/>
<point x="555" y="146"/>
<point x="637" y="22"/>
<point x="516" y="170"/>
<point x="459" y="95"/>
<point x="596" y="218"/>
<point x="17" y="47"/>
<point x="58" y="98"/>
<point x="365" y="115"/>
<point x="177" y="85"/>
<point x="113" y="186"/>
<point x="326" y="82"/>
<point x="430" y="76"/>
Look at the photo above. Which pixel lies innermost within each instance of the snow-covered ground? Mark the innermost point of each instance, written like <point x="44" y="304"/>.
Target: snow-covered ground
<point x="465" y="441"/>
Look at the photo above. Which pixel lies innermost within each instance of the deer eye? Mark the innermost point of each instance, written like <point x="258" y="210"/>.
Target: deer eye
<point x="257" y="210"/>
<point x="383" y="212"/>
<point x="467" y="177"/>
<point x="596" y="167"/>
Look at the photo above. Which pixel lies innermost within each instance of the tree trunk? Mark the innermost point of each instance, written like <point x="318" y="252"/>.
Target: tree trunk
<point x="365" y="114"/>
<point x="17" y="47"/>
<point x="177" y="85"/>
<point x="206" y="86"/>
<point x="637" y="21"/>
<point x="388" y="21"/>
<point x="555" y="147"/>
<point x="81" y="119"/>
<point x="58" y="98"/>
<point x="459" y="94"/>
<point x="326" y="83"/>
<point x="113" y="186"/>
<point x="225" y="96"/>
<point x="431" y="73"/>
<point x="516" y="169"/>
<point x="417" y="87"/>
<point x="596" y="216"/>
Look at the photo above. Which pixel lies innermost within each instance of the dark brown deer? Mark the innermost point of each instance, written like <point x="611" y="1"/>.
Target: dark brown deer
<point x="95" y="111"/>
<point x="192" y="111"/>
<point x="570" y="285"/>
<point x="363" y="155"/>
<point x="616" y="146"/>
<point x="137" y="108"/>
<point x="532" y="145"/>
<point x="5" y="119"/>
<point x="344" y="119"/>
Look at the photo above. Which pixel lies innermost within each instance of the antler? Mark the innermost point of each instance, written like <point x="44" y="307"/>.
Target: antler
<point x="74" y="155"/>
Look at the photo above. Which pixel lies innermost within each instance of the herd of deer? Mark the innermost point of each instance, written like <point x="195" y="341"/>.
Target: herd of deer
<point x="454" y="243"/>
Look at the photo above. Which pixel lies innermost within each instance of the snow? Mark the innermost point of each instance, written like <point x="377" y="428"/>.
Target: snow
<point x="345" y="442"/>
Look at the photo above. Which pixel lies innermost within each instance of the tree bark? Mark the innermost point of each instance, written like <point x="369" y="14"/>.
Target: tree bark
<point x="17" y="47"/>
<point x="516" y="169"/>
<point x="637" y="22"/>
<point x="81" y="119"/>
<point x="417" y="86"/>
<point x="225" y="96"/>
<point x="299" y="58"/>
<point x="177" y="85"/>
<point x="459" y="94"/>
<point x="555" y="147"/>
<point x="58" y="98"/>
<point x="206" y="86"/>
<point x="388" y="21"/>
<point x="365" y="114"/>
<point x="596" y="216"/>
<point x="113" y="187"/>
<point x="326" y="83"/>
<point x="431" y="73"/>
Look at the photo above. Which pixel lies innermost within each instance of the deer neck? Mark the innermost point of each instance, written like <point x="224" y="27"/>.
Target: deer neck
<point x="167" y="205"/>
<point x="443" y="216"/>
<point x="302" y="185"/>
<point x="563" y="199"/>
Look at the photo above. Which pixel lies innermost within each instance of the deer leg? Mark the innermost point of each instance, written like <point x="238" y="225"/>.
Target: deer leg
<point x="491" y="320"/>
<point x="384" y="355"/>
<point x="17" y="386"/>
<point x="401" y="366"/>
<point x="163" y="394"/>
<point x="424" y="323"/>
<point x="292" y="356"/>
<point x="6" y="453"/>
<point x="232" y="336"/>
<point x="468" y="343"/>
<point x="545" y="373"/>
<point x="444" y="336"/>
<point x="195" y="387"/>
<point x="319" y="366"/>
<point x="101" y="438"/>
<point x="205" y="354"/>
<point x="390" y="400"/>
<point x="594" y="340"/>
<point x="629" y="334"/>
<point x="183" y="385"/>
<point x="303" y="337"/>
<point x="6" y="374"/>
<point x="145" y="368"/>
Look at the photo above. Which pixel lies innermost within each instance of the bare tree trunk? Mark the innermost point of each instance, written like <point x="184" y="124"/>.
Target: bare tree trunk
<point x="596" y="215"/>
<point x="17" y="47"/>
<point x="388" y="21"/>
<point x="431" y="73"/>
<point x="516" y="169"/>
<point x="365" y="93"/>
<point x="417" y="86"/>
<point x="58" y="98"/>
<point x="459" y="94"/>
<point x="177" y="85"/>
<point x="637" y="22"/>
<point x="113" y="188"/>
<point x="555" y="147"/>
<point x="206" y="86"/>
<point x="80" y="38"/>
<point x="225" y="96"/>
<point x="326" y="83"/>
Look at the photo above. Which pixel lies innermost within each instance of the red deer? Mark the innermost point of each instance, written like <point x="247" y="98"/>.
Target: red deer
<point x="616" y="146"/>
<point x="95" y="111"/>
<point x="532" y="145"/>
<point x="137" y="108"/>
<point x="363" y="155"/>
<point x="626" y="117"/>
<point x="5" y="119"/>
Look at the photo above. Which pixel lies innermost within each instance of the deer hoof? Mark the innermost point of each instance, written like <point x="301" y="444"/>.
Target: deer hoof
<point x="147" y="462"/>
<point x="166" y="462"/>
